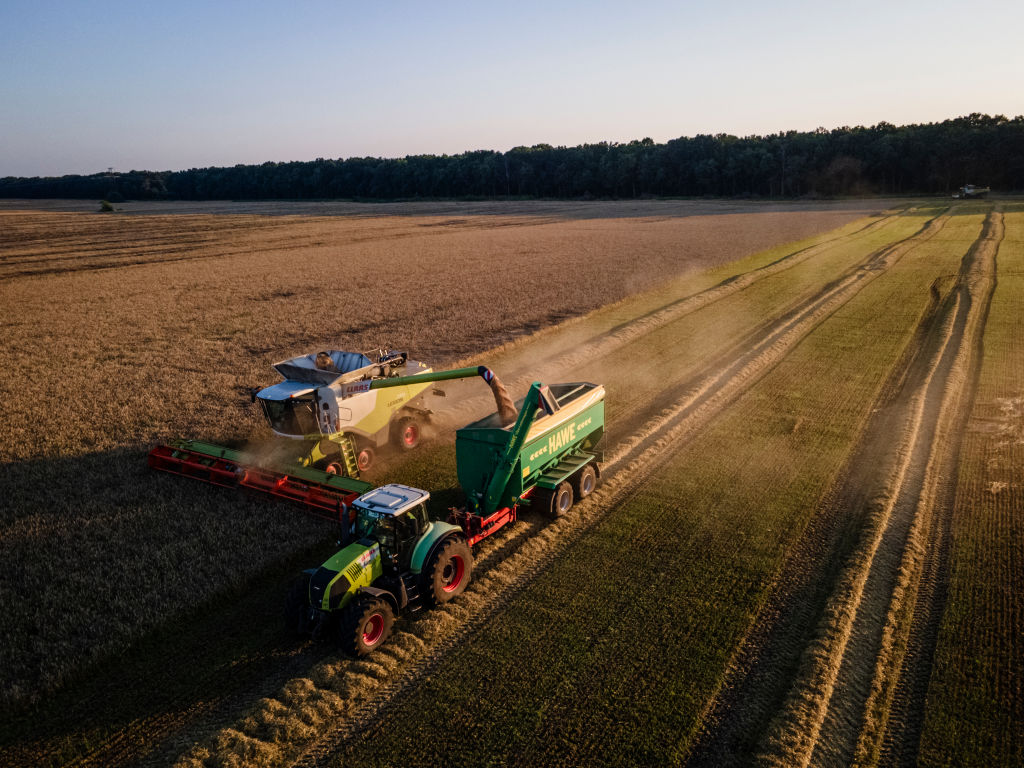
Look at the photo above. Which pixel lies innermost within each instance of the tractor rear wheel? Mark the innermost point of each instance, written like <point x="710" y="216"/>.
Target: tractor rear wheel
<point x="365" y="626"/>
<point x="449" y="572"/>
<point x="584" y="482"/>
<point x="296" y="603"/>
<point x="408" y="433"/>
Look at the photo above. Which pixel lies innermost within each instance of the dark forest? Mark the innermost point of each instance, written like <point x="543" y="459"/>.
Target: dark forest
<point x="882" y="159"/>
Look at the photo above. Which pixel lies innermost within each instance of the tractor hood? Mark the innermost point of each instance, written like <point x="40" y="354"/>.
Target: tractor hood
<point x="285" y="390"/>
<point x="357" y="565"/>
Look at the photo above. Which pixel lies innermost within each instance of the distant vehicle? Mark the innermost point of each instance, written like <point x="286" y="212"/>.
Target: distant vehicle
<point x="969" y="192"/>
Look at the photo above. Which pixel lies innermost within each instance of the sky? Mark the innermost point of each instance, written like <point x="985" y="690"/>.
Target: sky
<point x="86" y="86"/>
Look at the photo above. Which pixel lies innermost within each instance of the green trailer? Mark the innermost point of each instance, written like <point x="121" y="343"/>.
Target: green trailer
<point x="550" y="463"/>
<point x="541" y="453"/>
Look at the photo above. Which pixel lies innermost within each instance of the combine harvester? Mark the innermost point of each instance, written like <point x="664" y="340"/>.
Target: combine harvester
<point x="305" y="468"/>
<point x="971" y="192"/>
<point x="402" y="560"/>
<point x="326" y="424"/>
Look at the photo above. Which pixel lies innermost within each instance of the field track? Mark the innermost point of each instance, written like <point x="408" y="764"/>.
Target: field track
<point x="833" y="671"/>
<point x="897" y="482"/>
<point x="928" y="560"/>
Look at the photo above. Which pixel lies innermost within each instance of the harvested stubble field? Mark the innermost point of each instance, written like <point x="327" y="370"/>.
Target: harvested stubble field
<point x="743" y="397"/>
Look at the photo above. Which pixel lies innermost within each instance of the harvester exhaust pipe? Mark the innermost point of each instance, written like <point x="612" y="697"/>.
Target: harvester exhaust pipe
<point x="506" y="409"/>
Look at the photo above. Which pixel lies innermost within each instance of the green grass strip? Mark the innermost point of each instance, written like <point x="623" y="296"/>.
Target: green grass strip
<point x="974" y="711"/>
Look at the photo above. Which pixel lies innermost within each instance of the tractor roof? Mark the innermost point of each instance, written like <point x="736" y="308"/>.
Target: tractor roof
<point x="392" y="499"/>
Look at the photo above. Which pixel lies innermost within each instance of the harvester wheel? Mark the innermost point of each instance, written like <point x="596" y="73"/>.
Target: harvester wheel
<point x="408" y="433"/>
<point x="365" y="626"/>
<point x="449" y="572"/>
<point x="334" y="468"/>
<point x="561" y="500"/>
<point x="296" y="603"/>
<point x="365" y="457"/>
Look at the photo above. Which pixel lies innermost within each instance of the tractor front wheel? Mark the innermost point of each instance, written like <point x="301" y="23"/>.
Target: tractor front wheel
<point x="296" y="603"/>
<point x="449" y="572"/>
<point x="365" y="626"/>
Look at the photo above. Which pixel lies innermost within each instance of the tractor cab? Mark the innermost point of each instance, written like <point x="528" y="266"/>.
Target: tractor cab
<point x="394" y="516"/>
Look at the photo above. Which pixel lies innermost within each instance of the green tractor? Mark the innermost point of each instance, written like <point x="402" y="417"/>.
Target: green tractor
<point x="401" y="560"/>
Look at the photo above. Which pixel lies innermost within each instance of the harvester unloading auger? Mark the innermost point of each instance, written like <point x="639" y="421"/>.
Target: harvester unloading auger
<point x="319" y="485"/>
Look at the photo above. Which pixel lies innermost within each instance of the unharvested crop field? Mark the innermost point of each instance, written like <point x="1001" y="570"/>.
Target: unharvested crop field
<point x="776" y="569"/>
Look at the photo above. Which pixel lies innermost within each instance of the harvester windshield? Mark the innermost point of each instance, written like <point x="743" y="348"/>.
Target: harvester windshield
<point x="294" y="416"/>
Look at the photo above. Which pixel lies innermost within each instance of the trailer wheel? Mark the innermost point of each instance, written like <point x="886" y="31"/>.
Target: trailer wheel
<point x="366" y="626"/>
<point x="408" y="433"/>
<point x="561" y="500"/>
<point x="365" y="458"/>
<point x="296" y="603"/>
<point x="449" y="572"/>
<point x="584" y="482"/>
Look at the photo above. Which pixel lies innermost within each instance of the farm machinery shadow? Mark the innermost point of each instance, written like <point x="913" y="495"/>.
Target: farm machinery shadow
<point x="174" y="680"/>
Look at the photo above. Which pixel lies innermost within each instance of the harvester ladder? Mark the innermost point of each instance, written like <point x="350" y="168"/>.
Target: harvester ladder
<point x="348" y="455"/>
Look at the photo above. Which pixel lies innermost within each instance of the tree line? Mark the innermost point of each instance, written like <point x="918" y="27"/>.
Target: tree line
<point x="925" y="158"/>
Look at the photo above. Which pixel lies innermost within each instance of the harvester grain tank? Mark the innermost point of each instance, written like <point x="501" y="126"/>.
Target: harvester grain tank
<point x="403" y="560"/>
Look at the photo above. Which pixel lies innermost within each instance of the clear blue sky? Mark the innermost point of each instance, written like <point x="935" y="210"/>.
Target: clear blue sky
<point x="170" y="85"/>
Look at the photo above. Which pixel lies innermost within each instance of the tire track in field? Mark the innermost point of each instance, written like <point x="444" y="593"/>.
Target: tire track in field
<point x="765" y="660"/>
<point x="905" y="717"/>
<point x="690" y="407"/>
<point x="835" y="711"/>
